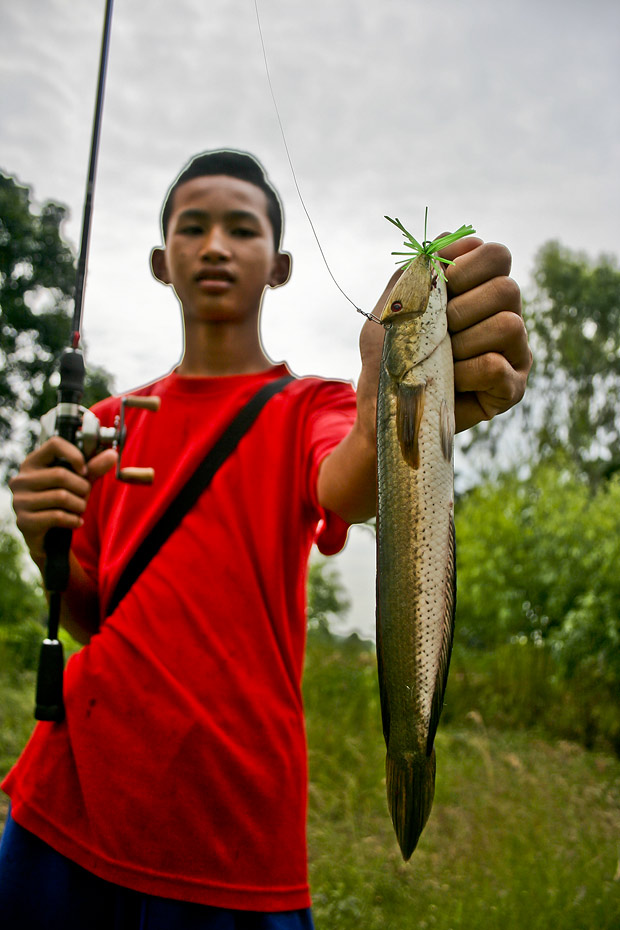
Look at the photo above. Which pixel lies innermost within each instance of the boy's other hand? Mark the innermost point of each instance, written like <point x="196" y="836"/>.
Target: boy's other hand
<point x="46" y="495"/>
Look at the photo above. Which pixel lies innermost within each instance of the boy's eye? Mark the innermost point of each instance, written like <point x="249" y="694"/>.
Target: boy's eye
<point x="191" y="229"/>
<point x="244" y="232"/>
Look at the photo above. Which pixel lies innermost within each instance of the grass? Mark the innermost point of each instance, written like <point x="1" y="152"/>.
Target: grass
<point x="523" y="834"/>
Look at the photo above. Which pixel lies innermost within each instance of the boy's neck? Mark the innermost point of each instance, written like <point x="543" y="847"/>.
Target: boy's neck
<point x="218" y="349"/>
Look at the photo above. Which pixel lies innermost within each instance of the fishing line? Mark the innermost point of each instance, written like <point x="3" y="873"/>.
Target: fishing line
<point x="369" y="316"/>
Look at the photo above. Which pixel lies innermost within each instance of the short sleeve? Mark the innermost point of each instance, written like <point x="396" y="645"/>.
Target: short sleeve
<point x="330" y="421"/>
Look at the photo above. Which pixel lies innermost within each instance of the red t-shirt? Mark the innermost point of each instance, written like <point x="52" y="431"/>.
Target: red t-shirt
<point x="180" y="769"/>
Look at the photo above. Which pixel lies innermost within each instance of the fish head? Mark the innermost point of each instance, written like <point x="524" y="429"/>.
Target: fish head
<point x="416" y="308"/>
<point x="410" y="295"/>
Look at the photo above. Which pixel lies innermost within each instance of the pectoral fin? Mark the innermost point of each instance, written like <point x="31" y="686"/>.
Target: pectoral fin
<point x="409" y="410"/>
<point x="446" y="431"/>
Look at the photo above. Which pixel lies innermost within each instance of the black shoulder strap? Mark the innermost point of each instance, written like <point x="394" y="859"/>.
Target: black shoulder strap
<point x="193" y="488"/>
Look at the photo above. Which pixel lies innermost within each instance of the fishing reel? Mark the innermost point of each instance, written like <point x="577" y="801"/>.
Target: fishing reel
<point x="91" y="437"/>
<point x="73" y="422"/>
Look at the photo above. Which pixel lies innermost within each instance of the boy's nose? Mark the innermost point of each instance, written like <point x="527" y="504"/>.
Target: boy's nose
<point x="214" y="245"/>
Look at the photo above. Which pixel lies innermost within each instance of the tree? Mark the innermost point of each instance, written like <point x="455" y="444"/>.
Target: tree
<point x="538" y="567"/>
<point x="20" y="599"/>
<point x="37" y="277"/>
<point x="573" y="397"/>
<point x="575" y="326"/>
<point x="22" y="605"/>
<point x="522" y="554"/>
<point x="327" y="597"/>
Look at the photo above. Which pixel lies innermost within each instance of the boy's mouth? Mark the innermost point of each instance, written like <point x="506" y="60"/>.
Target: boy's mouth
<point x="214" y="281"/>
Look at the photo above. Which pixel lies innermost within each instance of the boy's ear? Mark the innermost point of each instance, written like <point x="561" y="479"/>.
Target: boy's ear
<point x="159" y="266"/>
<point x="282" y="267"/>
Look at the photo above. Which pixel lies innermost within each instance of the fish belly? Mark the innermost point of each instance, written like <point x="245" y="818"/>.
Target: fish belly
<point x="416" y="583"/>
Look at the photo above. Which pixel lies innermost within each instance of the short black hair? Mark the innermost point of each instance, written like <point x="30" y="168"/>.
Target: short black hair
<point x="235" y="165"/>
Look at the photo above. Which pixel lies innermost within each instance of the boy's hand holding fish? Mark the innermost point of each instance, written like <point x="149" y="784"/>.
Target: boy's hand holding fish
<point x="492" y="360"/>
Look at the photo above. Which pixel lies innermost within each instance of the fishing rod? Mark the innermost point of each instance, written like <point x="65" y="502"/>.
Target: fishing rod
<point x="72" y="422"/>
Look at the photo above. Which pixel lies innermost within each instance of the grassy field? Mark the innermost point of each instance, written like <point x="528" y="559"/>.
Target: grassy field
<point x="524" y="832"/>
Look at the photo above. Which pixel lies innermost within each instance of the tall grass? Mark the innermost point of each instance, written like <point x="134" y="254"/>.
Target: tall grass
<point x="523" y="833"/>
<point x="521" y="685"/>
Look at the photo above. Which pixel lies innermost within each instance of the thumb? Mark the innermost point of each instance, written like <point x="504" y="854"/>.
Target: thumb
<point x="101" y="463"/>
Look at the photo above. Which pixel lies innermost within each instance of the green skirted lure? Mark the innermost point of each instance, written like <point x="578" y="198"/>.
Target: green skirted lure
<point x="428" y="248"/>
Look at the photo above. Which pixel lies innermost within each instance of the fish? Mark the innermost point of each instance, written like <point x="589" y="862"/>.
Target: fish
<point x="416" y="556"/>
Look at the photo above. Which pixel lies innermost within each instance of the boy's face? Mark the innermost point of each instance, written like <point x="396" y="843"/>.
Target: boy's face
<point x="219" y="254"/>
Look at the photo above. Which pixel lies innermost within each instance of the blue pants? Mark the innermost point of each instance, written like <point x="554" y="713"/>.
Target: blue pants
<point x="39" y="888"/>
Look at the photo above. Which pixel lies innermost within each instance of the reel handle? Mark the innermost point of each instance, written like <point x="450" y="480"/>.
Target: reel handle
<point x="134" y="474"/>
<point x="143" y="403"/>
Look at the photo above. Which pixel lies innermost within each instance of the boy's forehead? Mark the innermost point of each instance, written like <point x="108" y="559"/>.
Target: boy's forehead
<point x="219" y="192"/>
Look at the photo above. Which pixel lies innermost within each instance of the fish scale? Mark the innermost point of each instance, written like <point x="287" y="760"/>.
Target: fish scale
<point x="416" y="580"/>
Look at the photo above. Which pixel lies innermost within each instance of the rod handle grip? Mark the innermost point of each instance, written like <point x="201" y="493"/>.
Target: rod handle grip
<point x="49" y="702"/>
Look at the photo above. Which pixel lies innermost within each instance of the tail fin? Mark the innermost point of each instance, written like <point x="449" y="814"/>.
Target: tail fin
<point x="410" y="791"/>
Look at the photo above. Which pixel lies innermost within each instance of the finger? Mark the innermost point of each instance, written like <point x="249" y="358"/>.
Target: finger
<point x="468" y="412"/>
<point x="476" y="265"/>
<point x="46" y="478"/>
<point x="52" y="499"/>
<point x="460" y="247"/>
<point x="102" y="463"/>
<point x="503" y="333"/>
<point x="491" y="381"/>
<point x="35" y="525"/>
<point x="52" y="450"/>
<point x="500" y="293"/>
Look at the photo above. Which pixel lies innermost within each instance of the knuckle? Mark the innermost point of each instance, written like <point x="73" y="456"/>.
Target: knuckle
<point x="507" y="293"/>
<point x="510" y="383"/>
<point x="61" y="477"/>
<point x="498" y="257"/>
<point x="63" y="499"/>
<point x="509" y="331"/>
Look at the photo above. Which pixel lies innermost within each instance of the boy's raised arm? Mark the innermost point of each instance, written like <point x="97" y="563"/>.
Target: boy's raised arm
<point x="492" y="360"/>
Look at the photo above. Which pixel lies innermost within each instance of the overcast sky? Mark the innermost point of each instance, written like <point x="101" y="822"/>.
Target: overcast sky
<point x="499" y="113"/>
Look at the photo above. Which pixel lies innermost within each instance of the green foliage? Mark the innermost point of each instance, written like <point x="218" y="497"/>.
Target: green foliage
<point x="21" y="599"/>
<point x="36" y="283"/>
<point x="522" y="833"/>
<point x="326" y="596"/>
<point x="17" y="688"/>
<point x="573" y="399"/>
<point x="518" y="544"/>
<point x="37" y="278"/>
<point x="22" y="606"/>
<point x="575" y="327"/>
<point x="538" y="563"/>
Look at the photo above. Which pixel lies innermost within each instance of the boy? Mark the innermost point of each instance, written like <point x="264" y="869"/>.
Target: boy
<point x="174" y="793"/>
